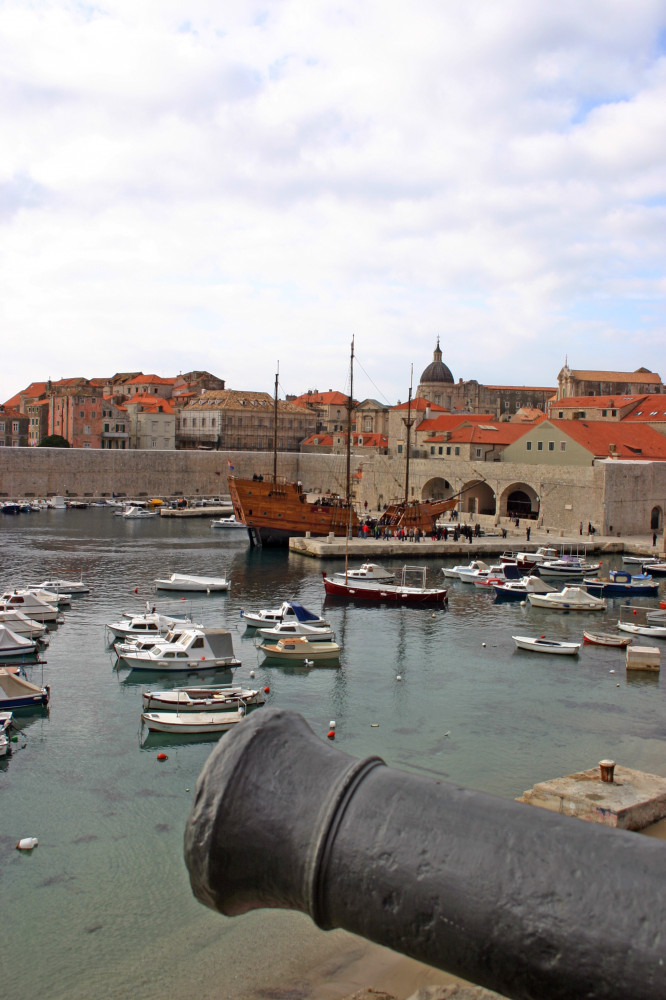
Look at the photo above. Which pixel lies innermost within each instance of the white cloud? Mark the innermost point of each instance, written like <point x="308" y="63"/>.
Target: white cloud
<point x="220" y="186"/>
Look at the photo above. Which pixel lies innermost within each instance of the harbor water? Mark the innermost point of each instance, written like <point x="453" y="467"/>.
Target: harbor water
<point x="102" y="906"/>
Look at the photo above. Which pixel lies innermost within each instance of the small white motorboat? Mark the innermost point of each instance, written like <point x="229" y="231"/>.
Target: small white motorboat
<point x="150" y="624"/>
<point x="653" y="631"/>
<point x="20" y="624"/>
<point x="227" y="522"/>
<point x="283" y="630"/>
<point x="453" y="572"/>
<point x="195" y="584"/>
<point x="196" y="649"/>
<point x="475" y="570"/>
<point x="289" y="611"/>
<point x="368" y="571"/>
<point x="542" y="645"/>
<point x="606" y="639"/>
<point x="518" y="590"/>
<point x="568" y="569"/>
<point x="71" y="587"/>
<point x="192" y="722"/>
<point x="60" y="600"/>
<point x="568" y="599"/>
<point x="137" y="513"/>
<point x="301" y="649"/>
<point x="202" y="699"/>
<point x="13" y="645"/>
<point x="30" y="604"/>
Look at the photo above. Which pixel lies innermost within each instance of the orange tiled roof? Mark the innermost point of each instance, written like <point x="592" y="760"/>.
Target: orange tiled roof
<point x="612" y="401"/>
<point x="648" y="409"/>
<point x="419" y="404"/>
<point x="447" y="421"/>
<point x="34" y="389"/>
<point x="150" y="403"/>
<point x="636" y="441"/>
<point x="330" y="398"/>
<point x="150" y="380"/>
<point x="495" y="433"/>
<point x="640" y="375"/>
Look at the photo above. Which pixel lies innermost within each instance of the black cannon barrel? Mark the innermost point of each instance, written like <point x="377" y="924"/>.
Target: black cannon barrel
<point x="531" y="904"/>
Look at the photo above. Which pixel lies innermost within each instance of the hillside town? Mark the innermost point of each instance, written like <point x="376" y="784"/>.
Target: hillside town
<point x="594" y="414"/>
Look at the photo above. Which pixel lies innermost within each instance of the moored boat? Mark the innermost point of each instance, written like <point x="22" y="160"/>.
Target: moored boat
<point x="541" y="644"/>
<point x="13" y="645"/>
<point x="202" y="699"/>
<point x="150" y="624"/>
<point x="288" y="611"/>
<point x="568" y="599"/>
<point x="228" y="522"/>
<point x="196" y="584"/>
<point x="283" y="630"/>
<point x="300" y="648"/>
<point x="404" y="592"/>
<point x="518" y="590"/>
<point x="196" y="649"/>
<point x="17" y="692"/>
<point x="192" y="722"/>
<point x="71" y="587"/>
<point x="605" y="639"/>
<point x="619" y="581"/>
<point x="30" y="604"/>
<point x="652" y="631"/>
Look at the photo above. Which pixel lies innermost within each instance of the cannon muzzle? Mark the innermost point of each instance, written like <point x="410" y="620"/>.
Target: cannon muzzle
<point x="534" y="905"/>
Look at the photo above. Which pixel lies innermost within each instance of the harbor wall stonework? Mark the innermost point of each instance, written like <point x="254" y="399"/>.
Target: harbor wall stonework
<point x="617" y="498"/>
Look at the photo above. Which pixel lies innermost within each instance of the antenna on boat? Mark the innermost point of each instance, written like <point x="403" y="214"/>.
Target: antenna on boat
<point x="275" y="423"/>
<point x="350" y="405"/>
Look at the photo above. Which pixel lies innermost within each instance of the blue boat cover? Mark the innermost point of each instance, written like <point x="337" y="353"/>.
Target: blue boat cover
<point x="302" y="614"/>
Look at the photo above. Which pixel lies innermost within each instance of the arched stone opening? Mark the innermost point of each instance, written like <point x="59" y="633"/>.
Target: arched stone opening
<point x="520" y="500"/>
<point x="437" y="489"/>
<point x="477" y="498"/>
<point x="656" y="519"/>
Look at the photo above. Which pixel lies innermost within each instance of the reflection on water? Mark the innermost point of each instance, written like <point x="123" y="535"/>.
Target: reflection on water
<point x="107" y="884"/>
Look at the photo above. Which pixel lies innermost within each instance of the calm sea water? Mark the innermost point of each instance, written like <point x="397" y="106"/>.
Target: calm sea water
<point x="102" y="908"/>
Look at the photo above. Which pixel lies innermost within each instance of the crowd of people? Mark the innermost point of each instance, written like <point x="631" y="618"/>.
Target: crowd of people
<point x="372" y="529"/>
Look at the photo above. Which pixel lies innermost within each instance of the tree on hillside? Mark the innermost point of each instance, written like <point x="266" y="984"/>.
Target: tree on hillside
<point x="54" y="441"/>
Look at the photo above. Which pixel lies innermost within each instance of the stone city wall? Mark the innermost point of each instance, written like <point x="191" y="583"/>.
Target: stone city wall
<point x="616" y="497"/>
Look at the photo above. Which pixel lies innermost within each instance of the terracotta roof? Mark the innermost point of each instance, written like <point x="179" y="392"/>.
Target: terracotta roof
<point x="447" y="421"/>
<point x="635" y="441"/>
<point x="597" y="401"/>
<point x="149" y="403"/>
<point x="323" y="440"/>
<point x="235" y="399"/>
<point x="12" y="414"/>
<point x="648" y="409"/>
<point x="150" y="380"/>
<point x="330" y="398"/>
<point x="34" y="389"/>
<point x="487" y="433"/>
<point x="419" y="404"/>
<point x="640" y="375"/>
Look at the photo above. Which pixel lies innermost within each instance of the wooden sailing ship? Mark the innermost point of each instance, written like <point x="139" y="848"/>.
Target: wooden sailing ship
<point x="276" y="510"/>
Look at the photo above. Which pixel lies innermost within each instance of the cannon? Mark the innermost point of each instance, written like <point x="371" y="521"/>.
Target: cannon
<point x="531" y="904"/>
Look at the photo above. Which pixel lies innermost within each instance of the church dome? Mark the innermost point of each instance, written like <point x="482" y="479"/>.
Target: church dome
<point x="437" y="370"/>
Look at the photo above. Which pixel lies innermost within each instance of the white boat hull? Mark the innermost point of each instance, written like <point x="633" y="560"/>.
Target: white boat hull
<point x="171" y="722"/>
<point x="546" y="645"/>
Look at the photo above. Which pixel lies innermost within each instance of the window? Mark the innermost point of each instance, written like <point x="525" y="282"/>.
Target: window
<point x="551" y="446"/>
<point x="81" y="414"/>
<point x="604" y="413"/>
<point x="563" y="446"/>
<point x="478" y="453"/>
<point x="561" y="414"/>
<point x="440" y="450"/>
<point x="184" y="422"/>
<point x="448" y="450"/>
<point x="432" y="449"/>
<point x="456" y="450"/>
<point x="15" y="427"/>
<point x="539" y="445"/>
<point x="613" y="413"/>
<point x="86" y="429"/>
<point x="106" y="427"/>
<point x="528" y="445"/>
<point x="212" y="421"/>
<point x="400" y="449"/>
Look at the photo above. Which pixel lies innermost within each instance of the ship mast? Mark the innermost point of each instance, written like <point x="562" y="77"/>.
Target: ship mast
<point x="350" y="404"/>
<point x="408" y="424"/>
<point x="275" y="424"/>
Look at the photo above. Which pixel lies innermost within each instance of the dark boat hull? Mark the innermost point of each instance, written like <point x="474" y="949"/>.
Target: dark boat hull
<point x="393" y="593"/>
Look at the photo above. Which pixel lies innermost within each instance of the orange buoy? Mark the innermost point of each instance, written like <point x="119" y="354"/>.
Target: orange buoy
<point x="542" y="637"/>
<point x="162" y="756"/>
<point x="267" y="689"/>
<point x="136" y="590"/>
<point x="635" y="612"/>
<point x="331" y="734"/>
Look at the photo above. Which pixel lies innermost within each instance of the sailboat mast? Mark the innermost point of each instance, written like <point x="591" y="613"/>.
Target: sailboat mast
<point x="275" y="424"/>
<point x="408" y="424"/>
<point x="350" y="404"/>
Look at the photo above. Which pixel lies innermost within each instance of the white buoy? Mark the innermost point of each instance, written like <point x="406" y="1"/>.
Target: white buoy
<point x="523" y="603"/>
<point x="399" y="677"/>
<point x="483" y="644"/>
<point x="252" y="673"/>
<point x="27" y="844"/>
<point x="331" y="724"/>
<point x="611" y="671"/>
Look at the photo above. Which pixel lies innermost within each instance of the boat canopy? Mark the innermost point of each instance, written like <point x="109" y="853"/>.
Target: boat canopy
<point x="302" y="614"/>
<point x="220" y="642"/>
<point x="14" y="686"/>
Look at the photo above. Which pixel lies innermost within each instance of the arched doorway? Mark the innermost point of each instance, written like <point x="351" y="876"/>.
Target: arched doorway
<point x="656" y="519"/>
<point x="520" y="500"/>
<point x="437" y="489"/>
<point x="477" y="498"/>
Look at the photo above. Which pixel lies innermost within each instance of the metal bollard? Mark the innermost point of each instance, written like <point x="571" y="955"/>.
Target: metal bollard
<point x="528" y="903"/>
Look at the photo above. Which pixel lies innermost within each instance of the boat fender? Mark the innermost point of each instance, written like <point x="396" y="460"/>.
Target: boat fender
<point x="26" y="844"/>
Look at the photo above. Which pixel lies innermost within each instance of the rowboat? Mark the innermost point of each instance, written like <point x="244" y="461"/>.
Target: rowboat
<point x="200" y="722"/>
<point x="196" y="584"/>
<point x="605" y="639"/>
<point x="543" y="645"/>
<point x="202" y="699"/>
<point x="655" y="631"/>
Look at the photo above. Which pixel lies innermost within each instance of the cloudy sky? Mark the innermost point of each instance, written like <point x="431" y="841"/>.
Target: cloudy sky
<point x="229" y="185"/>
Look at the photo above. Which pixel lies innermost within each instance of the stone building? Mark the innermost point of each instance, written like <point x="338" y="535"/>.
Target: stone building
<point x="593" y="407"/>
<point x="13" y="428"/>
<point x="151" y="422"/>
<point x="584" y="382"/>
<point x="438" y="386"/>
<point x="242" y="421"/>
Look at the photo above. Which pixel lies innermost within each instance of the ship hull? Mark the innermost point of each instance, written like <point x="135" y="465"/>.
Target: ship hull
<point x="276" y="512"/>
